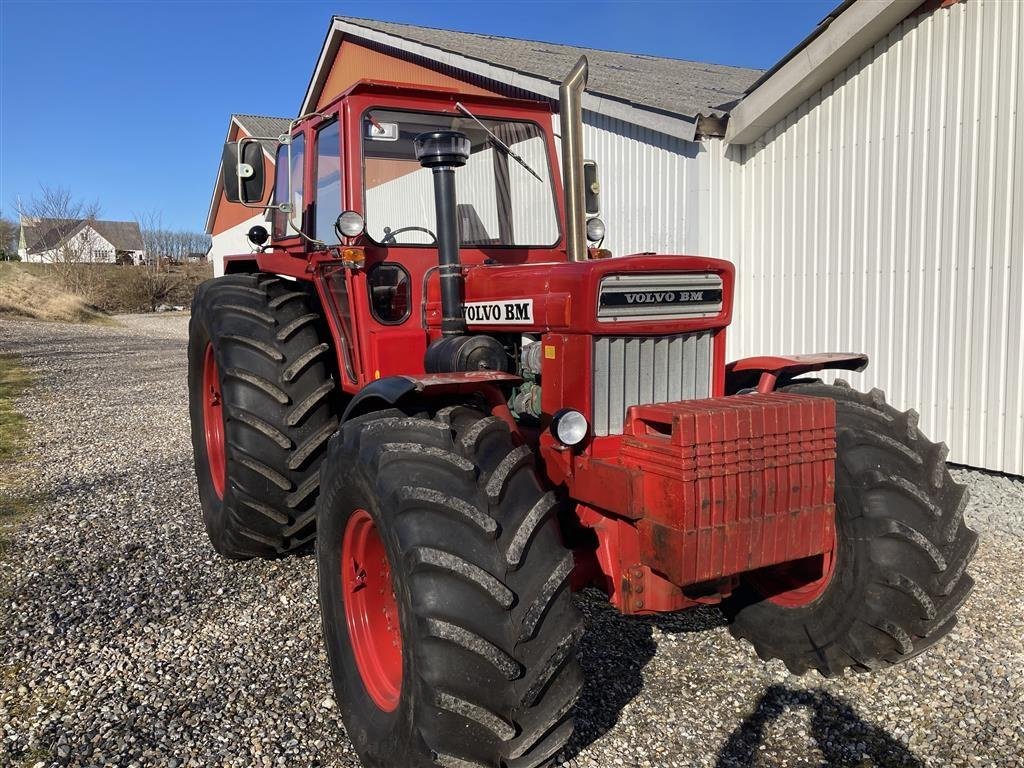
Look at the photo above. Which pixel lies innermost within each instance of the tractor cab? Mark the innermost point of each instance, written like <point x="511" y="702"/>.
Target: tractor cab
<point x="354" y="204"/>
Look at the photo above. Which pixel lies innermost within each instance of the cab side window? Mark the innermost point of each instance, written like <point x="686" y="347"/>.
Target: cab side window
<point x="328" y="184"/>
<point x="285" y="224"/>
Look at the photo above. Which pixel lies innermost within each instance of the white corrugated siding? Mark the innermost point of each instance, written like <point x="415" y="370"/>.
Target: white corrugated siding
<point x="886" y="215"/>
<point x="648" y="180"/>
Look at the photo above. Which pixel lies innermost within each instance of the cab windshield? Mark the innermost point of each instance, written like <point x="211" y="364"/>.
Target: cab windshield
<point x="499" y="202"/>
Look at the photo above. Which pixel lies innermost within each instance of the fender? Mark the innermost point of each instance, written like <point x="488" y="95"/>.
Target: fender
<point x="390" y="390"/>
<point x="764" y="372"/>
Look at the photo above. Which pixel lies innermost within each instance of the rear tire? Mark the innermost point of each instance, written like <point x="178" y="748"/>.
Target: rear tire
<point x="278" y="407"/>
<point x="901" y="551"/>
<point x="480" y="577"/>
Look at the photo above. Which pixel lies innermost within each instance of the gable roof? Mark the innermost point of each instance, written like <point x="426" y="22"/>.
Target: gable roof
<point x="123" y="235"/>
<point x="849" y="29"/>
<point x="669" y="95"/>
<point x="47" y="234"/>
<point x="262" y="125"/>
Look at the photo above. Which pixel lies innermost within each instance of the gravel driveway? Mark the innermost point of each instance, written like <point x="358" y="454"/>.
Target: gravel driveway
<point x="124" y="640"/>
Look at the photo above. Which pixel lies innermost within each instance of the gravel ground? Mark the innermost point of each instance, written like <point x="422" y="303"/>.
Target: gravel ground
<point x="125" y="641"/>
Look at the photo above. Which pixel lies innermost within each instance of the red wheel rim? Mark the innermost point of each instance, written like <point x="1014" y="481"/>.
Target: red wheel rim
<point x="801" y="582"/>
<point x="371" y="610"/>
<point x="213" y="422"/>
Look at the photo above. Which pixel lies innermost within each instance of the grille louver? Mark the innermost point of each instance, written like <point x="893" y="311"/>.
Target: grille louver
<point x="638" y="370"/>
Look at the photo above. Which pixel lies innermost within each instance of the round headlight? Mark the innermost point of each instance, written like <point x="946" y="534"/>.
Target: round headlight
<point x="569" y="427"/>
<point x="595" y="230"/>
<point x="350" y="224"/>
<point x="442" y="148"/>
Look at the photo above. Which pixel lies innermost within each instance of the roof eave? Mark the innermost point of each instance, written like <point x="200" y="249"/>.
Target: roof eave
<point x="815" y="61"/>
<point x="680" y="126"/>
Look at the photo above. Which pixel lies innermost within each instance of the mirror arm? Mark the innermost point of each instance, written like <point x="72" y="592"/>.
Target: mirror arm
<point x="286" y="208"/>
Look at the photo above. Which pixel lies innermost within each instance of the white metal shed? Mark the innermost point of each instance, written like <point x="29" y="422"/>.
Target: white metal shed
<point x="872" y="198"/>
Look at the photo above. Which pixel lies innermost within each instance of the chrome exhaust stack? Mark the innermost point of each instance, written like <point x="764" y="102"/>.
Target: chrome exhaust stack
<point x="570" y="116"/>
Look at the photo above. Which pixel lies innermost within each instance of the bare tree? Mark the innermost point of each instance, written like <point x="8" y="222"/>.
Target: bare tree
<point x="164" y="248"/>
<point x="62" y="236"/>
<point x="168" y="246"/>
<point x="8" y="239"/>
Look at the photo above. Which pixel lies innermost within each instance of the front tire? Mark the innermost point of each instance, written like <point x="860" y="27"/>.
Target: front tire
<point x="896" y="577"/>
<point x="479" y="579"/>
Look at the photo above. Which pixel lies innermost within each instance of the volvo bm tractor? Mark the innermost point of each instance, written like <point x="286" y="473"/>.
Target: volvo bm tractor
<point x="428" y="365"/>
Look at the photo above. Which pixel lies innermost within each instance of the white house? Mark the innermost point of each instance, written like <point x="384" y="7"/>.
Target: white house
<point x="89" y="241"/>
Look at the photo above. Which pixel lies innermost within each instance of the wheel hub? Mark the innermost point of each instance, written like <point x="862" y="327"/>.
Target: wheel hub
<point x="213" y="422"/>
<point x="371" y="610"/>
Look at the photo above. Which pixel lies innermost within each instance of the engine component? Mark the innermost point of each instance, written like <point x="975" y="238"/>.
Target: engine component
<point x="466" y="353"/>
<point x="526" y="400"/>
<point x="530" y="357"/>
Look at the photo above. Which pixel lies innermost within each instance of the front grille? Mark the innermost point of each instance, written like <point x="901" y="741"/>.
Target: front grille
<point x="659" y="297"/>
<point x="638" y="370"/>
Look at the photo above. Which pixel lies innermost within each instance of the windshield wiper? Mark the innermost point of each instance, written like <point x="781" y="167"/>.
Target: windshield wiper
<point x="505" y="147"/>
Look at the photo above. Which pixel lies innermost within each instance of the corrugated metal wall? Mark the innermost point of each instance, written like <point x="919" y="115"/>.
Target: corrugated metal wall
<point x="647" y="181"/>
<point x="886" y="214"/>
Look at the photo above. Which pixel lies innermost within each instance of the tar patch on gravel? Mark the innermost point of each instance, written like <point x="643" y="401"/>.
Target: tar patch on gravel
<point x="124" y="640"/>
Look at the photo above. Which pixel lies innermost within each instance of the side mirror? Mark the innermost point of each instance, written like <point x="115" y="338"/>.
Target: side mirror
<point x="591" y="188"/>
<point x="242" y="169"/>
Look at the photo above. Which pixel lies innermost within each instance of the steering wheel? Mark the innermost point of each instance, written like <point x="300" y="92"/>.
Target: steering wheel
<point x="389" y="235"/>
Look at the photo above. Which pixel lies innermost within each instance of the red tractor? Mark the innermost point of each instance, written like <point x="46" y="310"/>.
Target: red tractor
<point x="474" y="412"/>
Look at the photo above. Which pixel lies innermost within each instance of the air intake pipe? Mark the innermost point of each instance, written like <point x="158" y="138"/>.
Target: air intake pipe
<point x="570" y="115"/>
<point x="443" y="152"/>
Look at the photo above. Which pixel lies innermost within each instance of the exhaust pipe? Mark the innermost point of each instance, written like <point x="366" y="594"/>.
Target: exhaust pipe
<point x="570" y="116"/>
<point x="443" y="152"/>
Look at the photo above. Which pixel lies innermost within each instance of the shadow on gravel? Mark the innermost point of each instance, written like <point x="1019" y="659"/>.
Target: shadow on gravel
<point x="613" y="654"/>
<point x="843" y="738"/>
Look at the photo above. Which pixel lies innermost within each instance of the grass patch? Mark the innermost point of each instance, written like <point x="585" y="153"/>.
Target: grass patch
<point x="14" y="379"/>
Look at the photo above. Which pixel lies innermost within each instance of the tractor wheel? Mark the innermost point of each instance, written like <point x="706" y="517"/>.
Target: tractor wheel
<point x="263" y="406"/>
<point x="444" y="592"/>
<point x="895" y="576"/>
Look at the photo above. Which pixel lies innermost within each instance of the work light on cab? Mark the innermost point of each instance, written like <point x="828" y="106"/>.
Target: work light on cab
<point x="350" y="224"/>
<point x="595" y="230"/>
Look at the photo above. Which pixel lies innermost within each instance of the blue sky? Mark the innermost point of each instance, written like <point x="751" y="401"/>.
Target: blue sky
<point x="127" y="103"/>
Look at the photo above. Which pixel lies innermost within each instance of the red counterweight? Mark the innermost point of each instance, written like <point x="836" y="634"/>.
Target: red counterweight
<point x="709" y="489"/>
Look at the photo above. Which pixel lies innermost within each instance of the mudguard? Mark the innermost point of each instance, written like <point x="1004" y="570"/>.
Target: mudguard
<point x="764" y="372"/>
<point x="390" y="390"/>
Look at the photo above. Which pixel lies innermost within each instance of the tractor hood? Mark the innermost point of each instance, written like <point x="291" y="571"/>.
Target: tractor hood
<point x="630" y="294"/>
